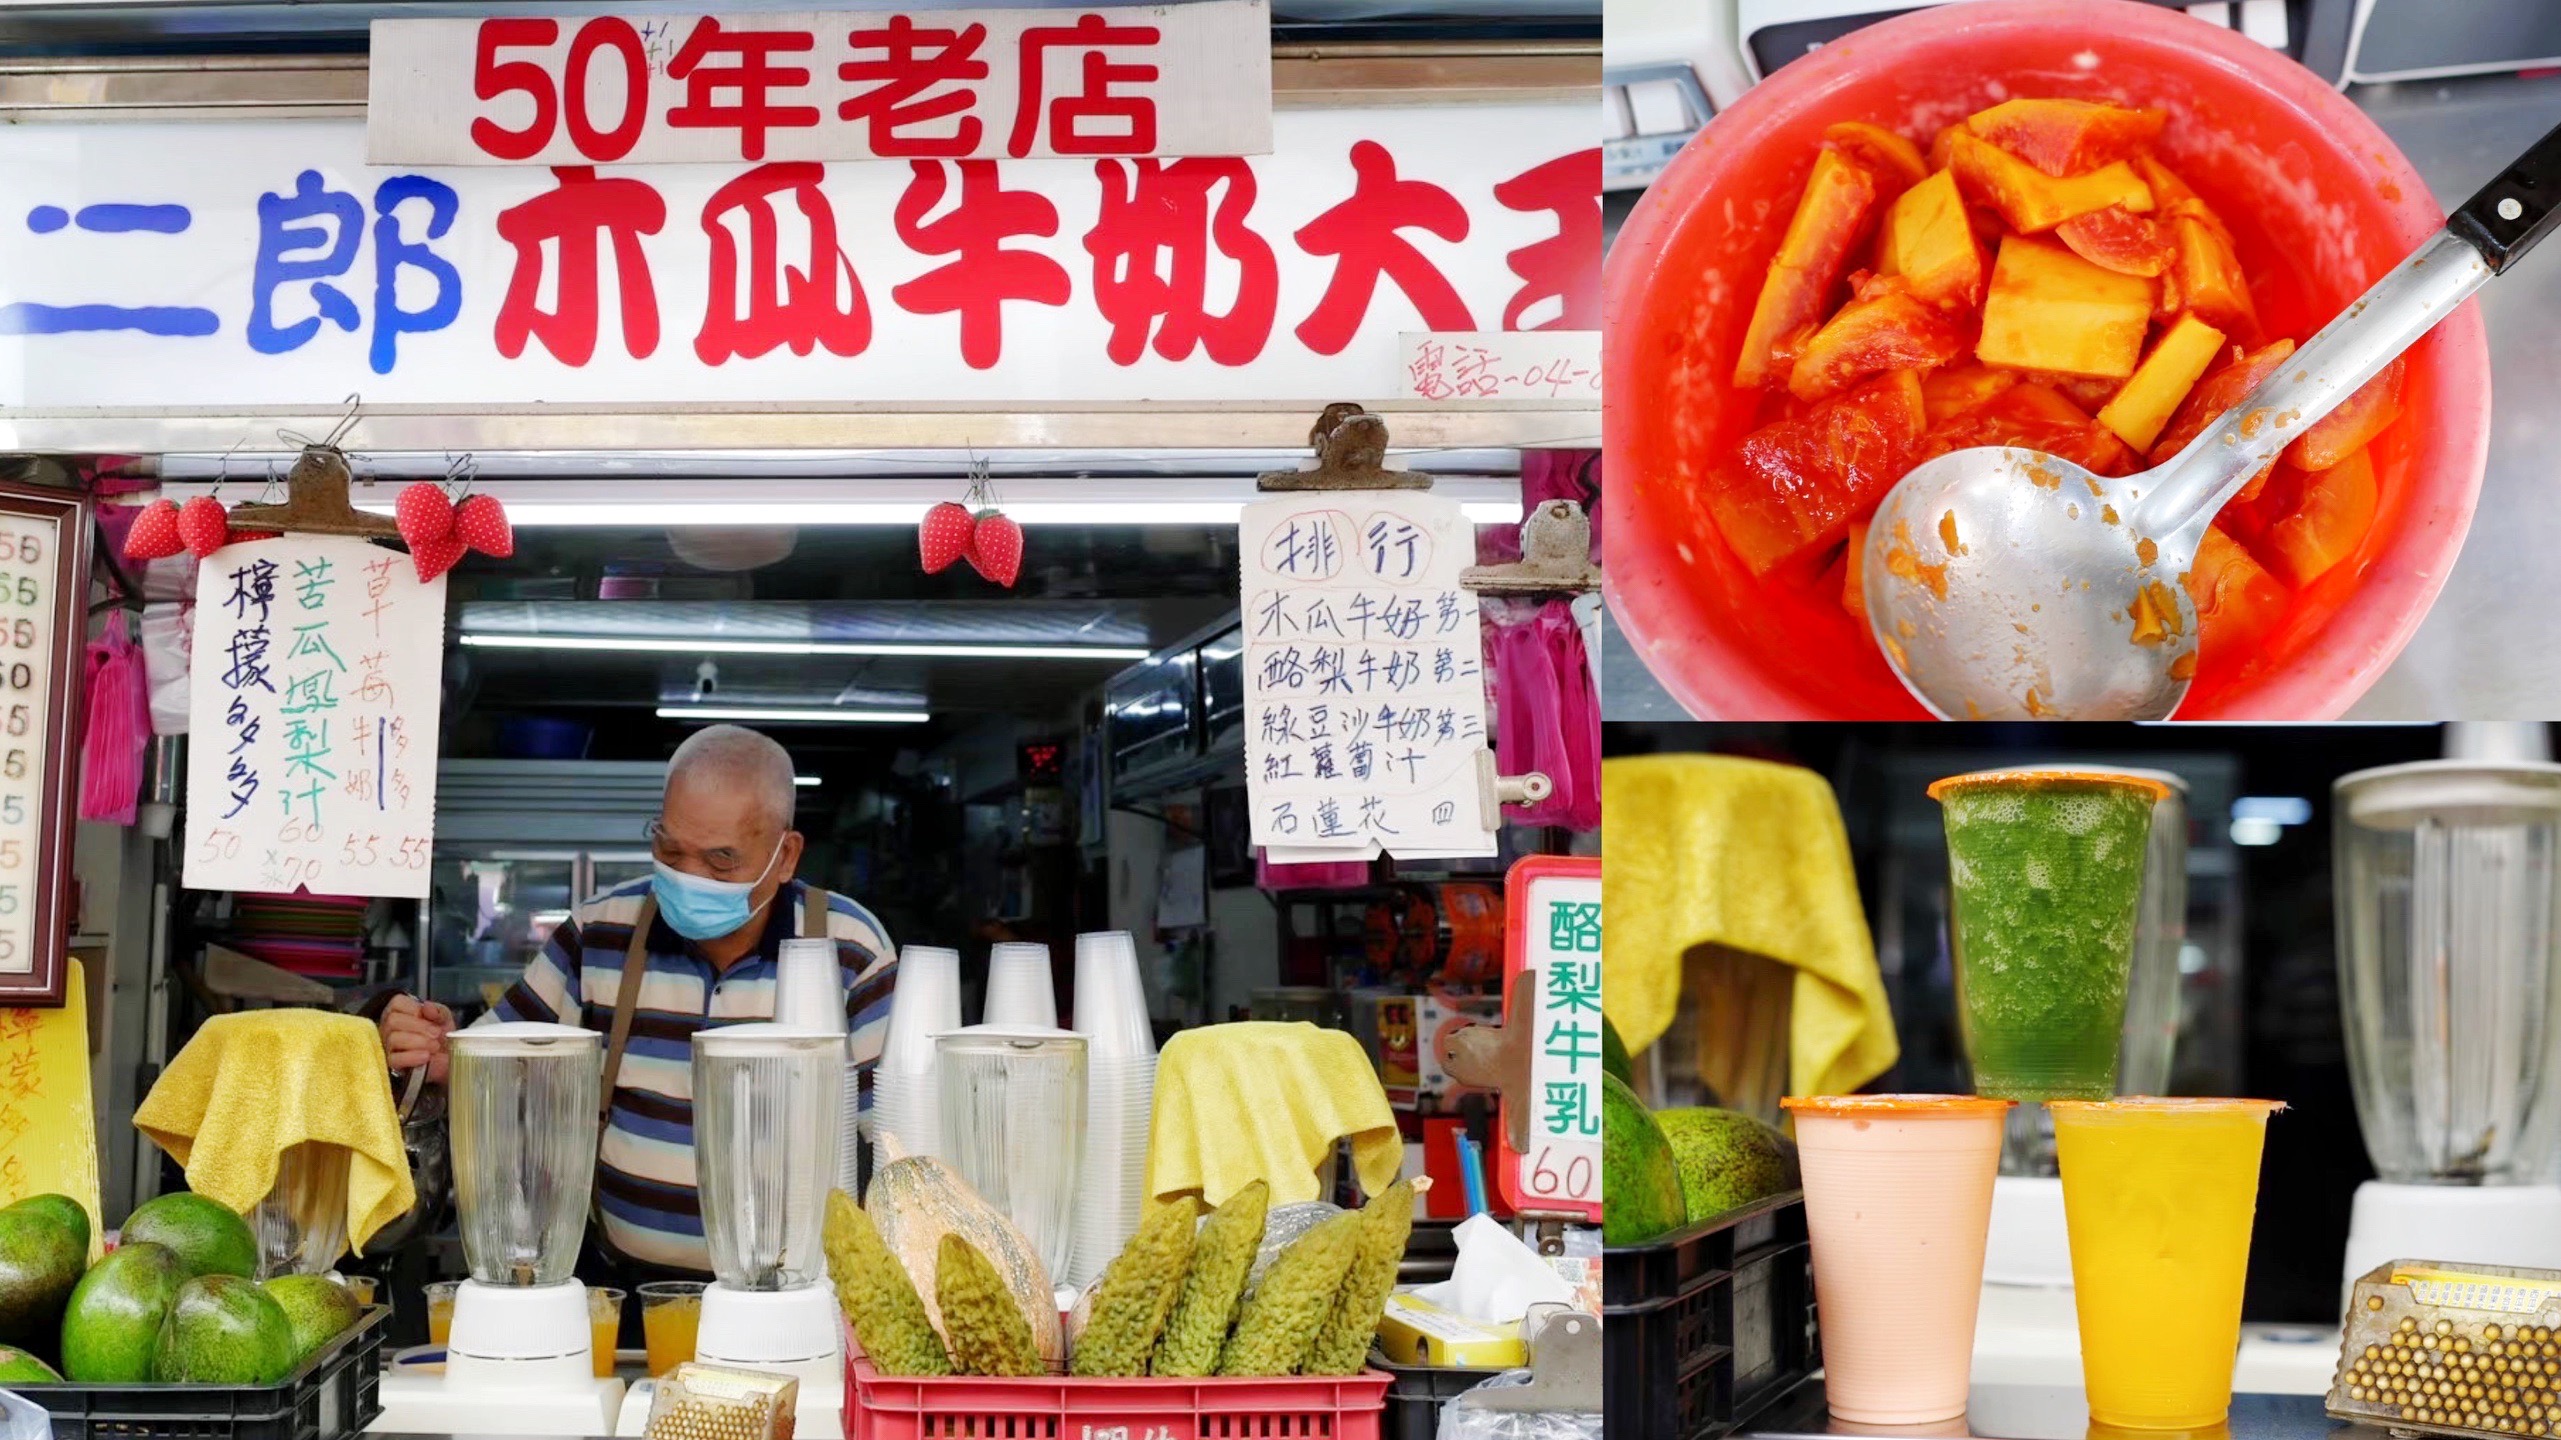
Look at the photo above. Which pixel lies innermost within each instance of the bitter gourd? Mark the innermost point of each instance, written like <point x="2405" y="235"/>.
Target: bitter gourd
<point x="988" y="1333"/>
<point x="878" y="1296"/>
<point x="1214" y="1286"/>
<point x="1138" y="1290"/>
<point x="1342" y="1347"/>
<point x="1283" y="1315"/>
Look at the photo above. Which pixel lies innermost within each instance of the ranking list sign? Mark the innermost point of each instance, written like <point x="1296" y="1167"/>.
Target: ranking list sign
<point x="1552" y="986"/>
<point x="1364" y="677"/>
<point x="313" y="702"/>
<point x="30" y="546"/>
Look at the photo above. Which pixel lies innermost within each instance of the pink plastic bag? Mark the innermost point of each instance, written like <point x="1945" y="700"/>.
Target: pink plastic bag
<point x="119" y="727"/>
<point x="1547" y="717"/>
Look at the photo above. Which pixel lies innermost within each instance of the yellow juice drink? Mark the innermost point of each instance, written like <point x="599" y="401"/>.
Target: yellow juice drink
<point x="604" y="1324"/>
<point x="2158" y="1196"/>
<point x="670" y="1317"/>
<point x="1898" y="1200"/>
<point x="440" y="1311"/>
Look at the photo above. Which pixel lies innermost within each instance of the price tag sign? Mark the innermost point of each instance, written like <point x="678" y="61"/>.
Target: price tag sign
<point x="313" y="702"/>
<point x="1552" y="989"/>
<point x="44" y="567"/>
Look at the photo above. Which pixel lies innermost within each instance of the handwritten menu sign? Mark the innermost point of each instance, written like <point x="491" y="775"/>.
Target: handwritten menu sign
<point x="29" y="545"/>
<point x="1364" y="677"/>
<point x="317" y="676"/>
<point x="48" y="1134"/>
<point x="1552" y="985"/>
<point x="1500" y="365"/>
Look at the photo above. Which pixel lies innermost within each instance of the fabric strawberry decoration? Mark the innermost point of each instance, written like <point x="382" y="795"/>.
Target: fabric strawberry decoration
<point x="154" y="535"/>
<point x="944" y="536"/>
<point x="425" y="512"/>
<point x="204" y="526"/>
<point x="480" y="523"/>
<point x="435" y="557"/>
<point x="996" y="547"/>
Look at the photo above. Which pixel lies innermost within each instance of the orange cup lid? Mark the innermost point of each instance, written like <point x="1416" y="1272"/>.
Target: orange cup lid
<point x="1955" y="1107"/>
<point x="2167" y="1105"/>
<point x="2027" y="778"/>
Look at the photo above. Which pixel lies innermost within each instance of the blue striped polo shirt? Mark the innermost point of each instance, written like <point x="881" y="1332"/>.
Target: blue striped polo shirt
<point x="645" y="1167"/>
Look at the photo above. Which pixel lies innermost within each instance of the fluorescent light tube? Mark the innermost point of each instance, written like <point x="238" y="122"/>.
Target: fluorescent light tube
<point x="780" y="716"/>
<point x="709" y="645"/>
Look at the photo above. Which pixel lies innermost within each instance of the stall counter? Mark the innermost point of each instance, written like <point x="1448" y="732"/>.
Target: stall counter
<point x="2055" y="1412"/>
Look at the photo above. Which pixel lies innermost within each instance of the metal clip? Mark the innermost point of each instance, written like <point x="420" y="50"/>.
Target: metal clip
<point x="1351" y="454"/>
<point x="1564" y="1366"/>
<point x="1556" y="557"/>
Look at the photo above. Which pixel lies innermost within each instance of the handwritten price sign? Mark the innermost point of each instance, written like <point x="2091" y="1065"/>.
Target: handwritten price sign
<point x="313" y="706"/>
<point x="1552" y="985"/>
<point x="1500" y="365"/>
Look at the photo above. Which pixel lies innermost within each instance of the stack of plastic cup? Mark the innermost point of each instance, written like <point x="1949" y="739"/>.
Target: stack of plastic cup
<point x="809" y="994"/>
<point x="1111" y="1013"/>
<point x="1018" y="988"/>
<point x="906" y="1100"/>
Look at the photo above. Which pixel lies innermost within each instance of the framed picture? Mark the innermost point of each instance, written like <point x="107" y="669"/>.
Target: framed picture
<point x="44" y="587"/>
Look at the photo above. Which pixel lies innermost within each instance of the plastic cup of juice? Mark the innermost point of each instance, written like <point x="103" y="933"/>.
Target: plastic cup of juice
<point x="2158" y="1196"/>
<point x="604" y="1323"/>
<point x="440" y="1311"/>
<point x="1898" y="1200"/>
<point x="670" y="1313"/>
<point x="2044" y="872"/>
<point x="362" y="1287"/>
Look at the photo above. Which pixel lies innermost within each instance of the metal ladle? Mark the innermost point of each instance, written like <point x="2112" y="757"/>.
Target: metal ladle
<point x="2032" y="609"/>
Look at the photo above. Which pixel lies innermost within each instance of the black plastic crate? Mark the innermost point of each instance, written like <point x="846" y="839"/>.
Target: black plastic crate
<point x="336" y="1392"/>
<point x="1416" y="1394"/>
<point x="1711" y="1325"/>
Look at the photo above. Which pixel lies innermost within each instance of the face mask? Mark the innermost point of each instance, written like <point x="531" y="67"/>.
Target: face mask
<point x="700" y="908"/>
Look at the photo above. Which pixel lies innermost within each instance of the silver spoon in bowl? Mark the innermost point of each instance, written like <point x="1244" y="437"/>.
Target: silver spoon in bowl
<point x="2005" y="583"/>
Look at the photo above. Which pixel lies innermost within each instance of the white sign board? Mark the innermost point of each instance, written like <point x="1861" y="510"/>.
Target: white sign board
<point x="267" y="264"/>
<point x="1501" y="365"/>
<point x="1364" y="676"/>
<point x="1556" y="942"/>
<point x="647" y="89"/>
<point x="316" y="690"/>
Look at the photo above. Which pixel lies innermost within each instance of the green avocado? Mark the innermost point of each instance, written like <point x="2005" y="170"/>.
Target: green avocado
<point x="65" y="1211"/>
<point x="1727" y="1160"/>
<point x="316" y="1309"/>
<point x="205" y="1234"/>
<point x="1614" y="1059"/>
<point x="17" y="1367"/>
<point x="40" y="1260"/>
<point x="112" y="1329"/>
<point x="224" y="1330"/>
<point x="1639" y="1176"/>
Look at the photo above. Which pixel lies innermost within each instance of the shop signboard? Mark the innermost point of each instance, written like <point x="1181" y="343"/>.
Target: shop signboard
<point x="202" y="265"/>
<point x="1364" y="677"/>
<point x="650" y="89"/>
<point x="1552" y="984"/>
<point x="312" y="719"/>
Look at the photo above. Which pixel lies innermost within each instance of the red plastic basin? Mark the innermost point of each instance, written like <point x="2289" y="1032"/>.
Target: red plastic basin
<point x="2321" y="204"/>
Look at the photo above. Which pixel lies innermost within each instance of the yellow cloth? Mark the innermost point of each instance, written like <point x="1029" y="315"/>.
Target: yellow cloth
<point x="1719" y="850"/>
<point x="250" y="1086"/>
<point x="1263" y="1100"/>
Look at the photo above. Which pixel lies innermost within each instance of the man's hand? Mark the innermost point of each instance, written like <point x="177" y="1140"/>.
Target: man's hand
<point x="413" y="1034"/>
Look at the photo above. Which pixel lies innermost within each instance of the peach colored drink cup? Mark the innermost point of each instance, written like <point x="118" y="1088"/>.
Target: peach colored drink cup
<point x="1898" y="1200"/>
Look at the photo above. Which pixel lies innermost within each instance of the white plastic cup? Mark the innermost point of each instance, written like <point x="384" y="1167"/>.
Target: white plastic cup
<point x="1111" y="1000"/>
<point x="809" y="992"/>
<point x="1018" y="986"/>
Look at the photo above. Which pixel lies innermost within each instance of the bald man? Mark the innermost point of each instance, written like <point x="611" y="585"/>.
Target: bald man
<point x="707" y="928"/>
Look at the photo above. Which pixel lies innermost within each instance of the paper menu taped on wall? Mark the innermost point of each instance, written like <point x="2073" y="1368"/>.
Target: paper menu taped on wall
<point x="48" y="1132"/>
<point x="317" y="682"/>
<point x="1364" y="677"/>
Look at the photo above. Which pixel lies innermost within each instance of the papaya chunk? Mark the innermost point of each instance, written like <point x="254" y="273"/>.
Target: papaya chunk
<point x="2144" y="406"/>
<point x="2210" y="280"/>
<point x="1854" y="571"/>
<point x="1931" y="244"/>
<point x="2049" y="309"/>
<point x="1958" y="389"/>
<point x="1895" y="162"/>
<point x="2237" y="600"/>
<point x="2325" y="514"/>
<point x="2343" y="432"/>
<point x="1889" y="330"/>
<point x="2032" y="201"/>
<point x="1796" y="485"/>
<point x="2035" y="417"/>
<point x="2066" y="137"/>
<point x="1830" y="219"/>
<point x="2120" y="240"/>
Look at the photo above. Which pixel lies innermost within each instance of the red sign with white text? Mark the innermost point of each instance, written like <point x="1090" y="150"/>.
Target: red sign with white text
<point x="1120" y="81"/>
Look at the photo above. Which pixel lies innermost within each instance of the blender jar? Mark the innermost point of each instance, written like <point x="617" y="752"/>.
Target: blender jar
<point x="768" y="1103"/>
<point x="524" y="1100"/>
<point x="2448" y="878"/>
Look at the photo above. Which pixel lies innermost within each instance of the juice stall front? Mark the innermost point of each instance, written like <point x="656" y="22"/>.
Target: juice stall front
<point x="484" y="521"/>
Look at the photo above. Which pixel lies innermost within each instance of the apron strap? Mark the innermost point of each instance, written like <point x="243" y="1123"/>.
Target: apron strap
<point x="814" y="907"/>
<point x="635" y="969"/>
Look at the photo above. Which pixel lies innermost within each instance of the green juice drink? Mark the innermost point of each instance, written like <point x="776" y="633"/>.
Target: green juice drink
<point x="2044" y="869"/>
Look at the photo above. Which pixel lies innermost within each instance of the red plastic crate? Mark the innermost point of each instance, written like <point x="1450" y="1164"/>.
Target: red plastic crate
<point x="1289" y="1407"/>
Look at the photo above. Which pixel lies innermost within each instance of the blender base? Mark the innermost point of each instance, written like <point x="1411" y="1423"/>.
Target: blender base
<point x="518" y="1363"/>
<point x="794" y="1332"/>
<point x="2479" y="1224"/>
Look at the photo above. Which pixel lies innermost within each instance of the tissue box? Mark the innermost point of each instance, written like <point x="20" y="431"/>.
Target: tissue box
<point x="1416" y="1332"/>
<point x="711" y="1402"/>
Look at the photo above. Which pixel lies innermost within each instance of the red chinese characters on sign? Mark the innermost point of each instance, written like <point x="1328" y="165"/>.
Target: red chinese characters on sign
<point x="984" y="273"/>
<point x="1160" y="226"/>
<point x="752" y="78"/>
<point x="802" y="307"/>
<point x="915" y="60"/>
<point x="1363" y="233"/>
<point x="576" y="215"/>
<point x="1125" y="124"/>
<point x="1565" y="267"/>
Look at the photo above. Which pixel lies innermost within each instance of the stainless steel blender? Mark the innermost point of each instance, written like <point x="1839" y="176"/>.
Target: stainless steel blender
<point x="524" y="1110"/>
<point x="768" y="1104"/>
<point x="2448" y="896"/>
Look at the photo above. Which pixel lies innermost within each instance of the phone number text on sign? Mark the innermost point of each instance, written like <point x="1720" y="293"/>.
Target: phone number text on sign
<point x="1127" y="81"/>
<point x="313" y="706"/>
<point x="27" y="555"/>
